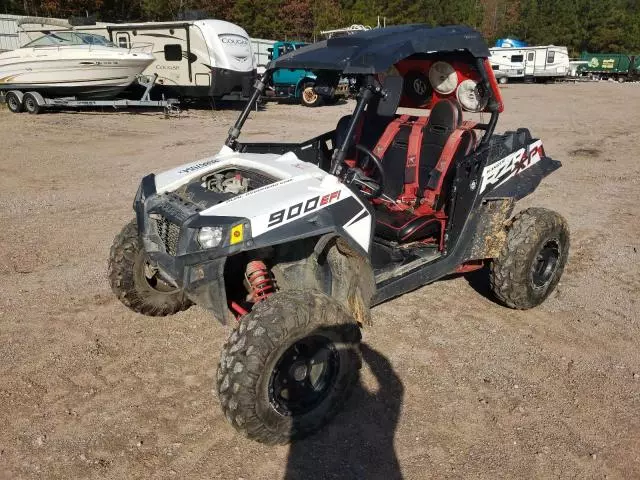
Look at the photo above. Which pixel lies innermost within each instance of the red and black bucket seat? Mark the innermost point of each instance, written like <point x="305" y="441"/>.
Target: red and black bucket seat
<point x="411" y="150"/>
<point x="419" y="176"/>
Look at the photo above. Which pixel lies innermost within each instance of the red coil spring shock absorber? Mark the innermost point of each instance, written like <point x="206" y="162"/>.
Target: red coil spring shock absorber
<point x="261" y="284"/>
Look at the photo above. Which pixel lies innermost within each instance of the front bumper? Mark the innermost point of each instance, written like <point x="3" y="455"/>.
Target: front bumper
<point x="168" y="227"/>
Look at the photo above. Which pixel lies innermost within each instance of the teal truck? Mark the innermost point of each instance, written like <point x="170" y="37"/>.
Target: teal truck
<point x="617" y="66"/>
<point x="297" y="84"/>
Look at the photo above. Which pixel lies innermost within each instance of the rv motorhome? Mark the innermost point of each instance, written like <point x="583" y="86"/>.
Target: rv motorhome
<point x="545" y="62"/>
<point x="199" y="58"/>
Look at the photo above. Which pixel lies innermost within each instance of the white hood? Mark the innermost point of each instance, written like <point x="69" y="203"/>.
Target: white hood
<point x="301" y="189"/>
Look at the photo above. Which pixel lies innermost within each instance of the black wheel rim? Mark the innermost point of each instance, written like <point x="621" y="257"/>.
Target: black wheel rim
<point x="13" y="103"/>
<point x="545" y="263"/>
<point x="304" y="376"/>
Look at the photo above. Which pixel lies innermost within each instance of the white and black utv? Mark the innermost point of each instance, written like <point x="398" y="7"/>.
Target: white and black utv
<point x="296" y="242"/>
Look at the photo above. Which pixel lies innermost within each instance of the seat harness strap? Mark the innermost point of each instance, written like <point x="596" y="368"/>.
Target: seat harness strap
<point x="411" y="171"/>
<point x="437" y="176"/>
<point x="389" y="134"/>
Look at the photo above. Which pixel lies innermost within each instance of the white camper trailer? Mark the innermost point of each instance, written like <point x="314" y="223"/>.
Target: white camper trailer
<point x="545" y="62"/>
<point x="200" y="58"/>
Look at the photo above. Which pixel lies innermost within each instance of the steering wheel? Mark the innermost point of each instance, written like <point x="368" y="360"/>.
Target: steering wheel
<point x="355" y="176"/>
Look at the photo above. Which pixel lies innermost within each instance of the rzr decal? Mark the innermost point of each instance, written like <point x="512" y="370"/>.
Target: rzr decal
<point x="302" y="208"/>
<point x="501" y="171"/>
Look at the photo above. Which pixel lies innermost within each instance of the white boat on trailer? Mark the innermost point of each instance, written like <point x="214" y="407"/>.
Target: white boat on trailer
<point x="72" y="69"/>
<point x="67" y="63"/>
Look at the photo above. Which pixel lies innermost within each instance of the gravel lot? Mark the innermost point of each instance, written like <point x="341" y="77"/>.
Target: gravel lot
<point x="455" y="386"/>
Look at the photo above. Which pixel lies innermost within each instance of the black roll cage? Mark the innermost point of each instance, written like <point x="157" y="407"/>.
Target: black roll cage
<point x="371" y="87"/>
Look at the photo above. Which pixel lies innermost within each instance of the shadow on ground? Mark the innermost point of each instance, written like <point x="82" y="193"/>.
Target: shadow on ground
<point x="358" y="443"/>
<point x="479" y="281"/>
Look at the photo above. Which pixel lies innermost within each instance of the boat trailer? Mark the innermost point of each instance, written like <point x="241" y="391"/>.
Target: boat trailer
<point x="33" y="102"/>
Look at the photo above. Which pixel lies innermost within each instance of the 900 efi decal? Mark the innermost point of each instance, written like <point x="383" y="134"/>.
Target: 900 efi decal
<point x="302" y="208"/>
<point x="501" y="171"/>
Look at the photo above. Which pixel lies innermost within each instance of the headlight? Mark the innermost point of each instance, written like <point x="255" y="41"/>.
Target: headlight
<point x="209" y="237"/>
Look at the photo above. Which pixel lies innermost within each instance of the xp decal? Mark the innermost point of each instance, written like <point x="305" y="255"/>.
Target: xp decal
<point x="501" y="171"/>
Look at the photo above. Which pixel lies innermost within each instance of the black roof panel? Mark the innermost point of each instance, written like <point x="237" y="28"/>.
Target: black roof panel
<point x="374" y="51"/>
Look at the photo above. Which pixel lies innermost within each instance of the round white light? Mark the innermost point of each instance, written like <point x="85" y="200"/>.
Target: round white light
<point x="209" y="237"/>
<point x="443" y="78"/>
<point x="471" y="96"/>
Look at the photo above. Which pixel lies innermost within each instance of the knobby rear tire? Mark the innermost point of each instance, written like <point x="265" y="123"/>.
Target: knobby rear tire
<point x="513" y="277"/>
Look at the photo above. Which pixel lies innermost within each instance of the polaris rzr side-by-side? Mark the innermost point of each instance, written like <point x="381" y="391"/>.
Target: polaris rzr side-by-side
<point x="294" y="243"/>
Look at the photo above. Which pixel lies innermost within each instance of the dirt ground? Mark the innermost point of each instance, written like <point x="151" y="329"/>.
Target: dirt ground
<point x="455" y="385"/>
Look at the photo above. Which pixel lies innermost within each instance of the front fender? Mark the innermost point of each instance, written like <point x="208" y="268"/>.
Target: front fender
<point x="347" y="218"/>
<point x="330" y="264"/>
<point x="300" y="85"/>
<point x="208" y="288"/>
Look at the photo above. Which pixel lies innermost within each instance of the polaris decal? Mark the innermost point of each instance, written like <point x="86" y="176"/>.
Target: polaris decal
<point x="501" y="171"/>
<point x="302" y="208"/>
<point x="198" y="166"/>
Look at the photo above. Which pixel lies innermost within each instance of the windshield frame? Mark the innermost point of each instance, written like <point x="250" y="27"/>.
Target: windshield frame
<point x="74" y="39"/>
